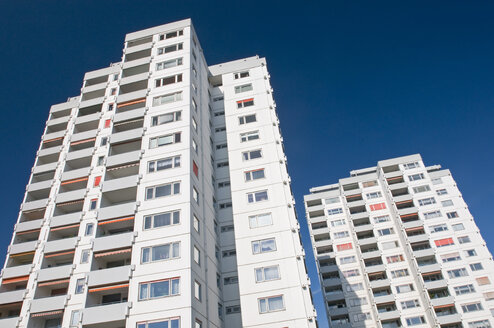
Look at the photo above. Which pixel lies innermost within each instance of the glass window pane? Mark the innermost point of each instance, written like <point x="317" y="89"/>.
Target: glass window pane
<point x="162" y="220"/>
<point x="162" y="191"/>
<point x="264" y="219"/>
<point x="145" y="255"/>
<point x="143" y="291"/>
<point x="275" y="303"/>
<point x="175" y="286"/>
<point x="271" y="273"/>
<point x="159" y="289"/>
<point x="259" y="275"/>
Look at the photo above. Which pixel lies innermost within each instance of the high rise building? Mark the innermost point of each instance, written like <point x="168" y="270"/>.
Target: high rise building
<point x="160" y="198"/>
<point x="397" y="246"/>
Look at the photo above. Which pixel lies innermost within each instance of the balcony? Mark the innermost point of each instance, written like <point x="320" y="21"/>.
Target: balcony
<point x="124" y="240"/>
<point x="14" y="296"/>
<point x="17" y="271"/>
<point x="426" y="268"/>
<point x="89" y="95"/>
<point x="106" y="316"/>
<point x="118" y="197"/>
<point x="423" y="252"/>
<point x="71" y="196"/>
<point x="88" y="89"/>
<point x="333" y="296"/>
<point x="125" y="158"/>
<point x="121" y="183"/>
<point x="117" y="211"/>
<point x="26" y="247"/>
<point x="372" y="254"/>
<point x="83" y="136"/>
<point x="367" y="241"/>
<point x="136" y="70"/>
<point x="54" y="135"/>
<point x="139" y="45"/>
<point x="55" y="273"/>
<point x="129" y="114"/>
<point x="50" y="151"/>
<point x="34" y="205"/>
<point x="375" y="268"/>
<point x="75" y="173"/>
<point x="143" y="53"/>
<point x="37" y="186"/>
<point x="389" y="315"/>
<point x="379" y="284"/>
<point x="331" y="281"/>
<point x="89" y="110"/>
<point x="127" y="136"/>
<point x="10" y="321"/>
<point x="125" y="147"/>
<point x="67" y="219"/>
<point x="28" y="225"/>
<point x="364" y="227"/>
<point x="59" y="259"/>
<point x="418" y="238"/>
<point x="80" y="154"/>
<point x="45" y="168"/>
<point x="412" y="224"/>
<point x="441" y="301"/>
<point x="436" y="284"/>
<point x="447" y="319"/>
<point x="61" y="245"/>
<point x="110" y="276"/>
<point x="48" y="304"/>
<point x="407" y="211"/>
<point x="360" y="215"/>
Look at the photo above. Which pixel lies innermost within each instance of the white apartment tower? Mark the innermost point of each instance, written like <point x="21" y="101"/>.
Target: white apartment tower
<point x="160" y="198"/>
<point x="396" y="246"/>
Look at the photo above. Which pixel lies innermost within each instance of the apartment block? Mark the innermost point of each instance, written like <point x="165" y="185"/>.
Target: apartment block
<point x="396" y="246"/>
<point x="160" y="197"/>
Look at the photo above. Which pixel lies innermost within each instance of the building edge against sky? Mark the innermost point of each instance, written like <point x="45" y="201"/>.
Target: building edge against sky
<point x="160" y="194"/>
<point x="396" y="245"/>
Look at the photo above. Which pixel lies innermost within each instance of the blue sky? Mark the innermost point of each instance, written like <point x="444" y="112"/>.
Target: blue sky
<point x="355" y="81"/>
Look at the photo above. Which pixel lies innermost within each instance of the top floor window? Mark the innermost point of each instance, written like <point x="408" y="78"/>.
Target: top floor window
<point x="168" y="80"/>
<point x="243" y="88"/>
<point x="169" y="35"/>
<point x="411" y="165"/>
<point x="172" y="48"/>
<point x="241" y="75"/>
<point x="416" y="177"/>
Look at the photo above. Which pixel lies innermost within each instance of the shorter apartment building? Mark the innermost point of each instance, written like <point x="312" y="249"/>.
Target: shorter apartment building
<point x="396" y="245"/>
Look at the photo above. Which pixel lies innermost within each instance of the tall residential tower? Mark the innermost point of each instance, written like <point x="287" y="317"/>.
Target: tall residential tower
<point x="160" y="198"/>
<point x="397" y="246"/>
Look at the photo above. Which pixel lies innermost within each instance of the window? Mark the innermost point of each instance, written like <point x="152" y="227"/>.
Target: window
<point x="240" y="75"/>
<point x="267" y="273"/>
<point x="260" y="220"/>
<point x="471" y="252"/>
<point x="223" y="184"/>
<point x="79" y="287"/>
<point x="197" y="290"/>
<point x="195" y="168"/>
<point x="476" y="266"/>
<point x="341" y="234"/>
<point x="432" y="215"/>
<point x="168" y="98"/>
<point x="194" y="146"/>
<point x="107" y="124"/>
<point x="409" y="304"/>
<point x="404" y="288"/>
<point x="377" y="207"/>
<point x="350" y="273"/>
<point x="471" y="307"/>
<point x="245" y="103"/>
<point x="263" y="246"/>
<point x="160" y="288"/>
<point x="229" y="253"/>
<point x="381" y="219"/>
<point x="416" y="177"/>
<point x="219" y="113"/>
<point x="254" y="175"/>
<point x="446" y="203"/>
<point x="85" y="256"/>
<point x="166" y="118"/>
<point x="168" y="80"/>
<point x="344" y="247"/>
<point x="479" y="324"/>
<point x="441" y="192"/>
<point x="110" y="107"/>
<point x="113" y="91"/>
<point x="163" y="164"/>
<point x="483" y="281"/>
<point x="197" y="255"/>
<point x="348" y="259"/>
<point x="219" y="98"/>
<point x="168" y="189"/>
<point x="163" y="323"/>
<point x="97" y="181"/>
<point x="399" y="273"/>
<point x="338" y="223"/>
<point x="232" y="309"/>
<point x="248" y="136"/>
<point x="230" y="280"/>
<point x="198" y="324"/>
<point x="395" y="258"/>
<point x="437" y="181"/>
<point x="420" y="189"/>
<point x="427" y="201"/>
<point x="362" y="316"/>
<point x="438" y="228"/>
<point x="196" y="223"/>
<point x="164" y="140"/>
<point x="243" y="88"/>
<point x="451" y="257"/>
<point x="373" y="195"/>
<point x="413" y="321"/>
<point x="247" y="119"/>
<point x="89" y="229"/>
<point x="390" y="244"/>
<point x="271" y="304"/>
<point x="444" y="242"/>
<point x="357" y="301"/>
<point x="75" y="316"/>
<point x="411" y="165"/>
<point x="170" y="35"/>
<point x="169" y="63"/>
<point x="93" y="204"/>
<point x="160" y="252"/>
<point x="385" y="232"/>
<point x="458" y="227"/>
<point x="464" y="239"/>
<point x="195" y="195"/>
<point x="227" y="228"/>
<point x="172" y="48"/>
<point x="456" y="273"/>
<point x="258" y="196"/>
<point x="252" y="154"/>
<point x="465" y="289"/>
<point x="334" y="211"/>
<point x="161" y="220"/>
<point x="332" y="200"/>
<point x="223" y="206"/>
<point x="452" y="215"/>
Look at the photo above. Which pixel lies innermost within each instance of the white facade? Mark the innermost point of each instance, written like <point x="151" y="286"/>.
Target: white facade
<point x="160" y="195"/>
<point x="396" y="246"/>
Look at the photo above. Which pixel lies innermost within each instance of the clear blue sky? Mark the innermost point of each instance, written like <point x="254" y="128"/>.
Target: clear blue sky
<point x="355" y="81"/>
